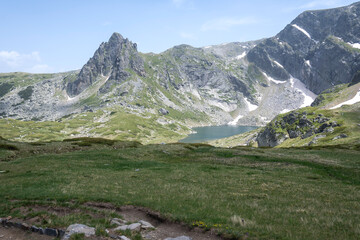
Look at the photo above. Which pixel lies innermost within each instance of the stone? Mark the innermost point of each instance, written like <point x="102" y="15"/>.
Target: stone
<point x="294" y="134"/>
<point x="145" y="225"/>
<point x="315" y="139"/>
<point x="34" y="229"/>
<point x="309" y="133"/>
<point x="329" y="130"/>
<point x="343" y="135"/>
<point x="78" y="228"/>
<point x="163" y="111"/>
<point x="18" y="225"/>
<point x="304" y="122"/>
<point x="179" y="238"/>
<point x="25" y="227"/>
<point x="131" y="227"/>
<point x="117" y="222"/>
<point x="124" y="238"/>
<point x="51" y="232"/>
<point x="61" y="233"/>
<point x="323" y="127"/>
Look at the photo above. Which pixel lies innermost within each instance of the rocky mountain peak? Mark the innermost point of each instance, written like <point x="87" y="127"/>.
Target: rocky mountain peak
<point x="116" y="38"/>
<point x="325" y="40"/>
<point x="110" y="60"/>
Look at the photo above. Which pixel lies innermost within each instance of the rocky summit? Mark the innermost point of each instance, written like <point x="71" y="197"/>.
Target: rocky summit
<point x="246" y="83"/>
<point x="321" y="48"/>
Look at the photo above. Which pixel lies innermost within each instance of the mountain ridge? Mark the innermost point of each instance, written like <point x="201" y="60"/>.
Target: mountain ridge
<point x="235" y="83"/>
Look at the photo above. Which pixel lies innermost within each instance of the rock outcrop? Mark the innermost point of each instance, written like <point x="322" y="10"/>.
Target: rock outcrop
<point x="111" y="60"/>
<point x="321" y="48"/>
<point x="293" y="125"/>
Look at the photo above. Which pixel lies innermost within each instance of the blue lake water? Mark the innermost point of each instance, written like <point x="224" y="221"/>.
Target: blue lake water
<point x="204" y="134"/>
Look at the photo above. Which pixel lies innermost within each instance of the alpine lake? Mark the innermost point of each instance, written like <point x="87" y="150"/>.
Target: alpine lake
<point x="204" y="134"/>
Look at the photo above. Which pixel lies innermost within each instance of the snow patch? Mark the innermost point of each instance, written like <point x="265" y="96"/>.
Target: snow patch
<point x="309" y="96"/>
<point x="301" y="30"/>
<point x="354" y="100"/>
<point x="234" y="122"/>
<point x="251" y="107"/>
<point x="308" y="63"/>
<point x="273" y="80"/>
<point x="277" y="63"/>
<point x="241" y="56"/>
<point x="285" y="111"/>
<point x="355" y="45"/>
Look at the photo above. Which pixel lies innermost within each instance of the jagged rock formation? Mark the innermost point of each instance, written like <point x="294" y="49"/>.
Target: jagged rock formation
<point x="321" y="48"/>
<point x="111" y="60"/>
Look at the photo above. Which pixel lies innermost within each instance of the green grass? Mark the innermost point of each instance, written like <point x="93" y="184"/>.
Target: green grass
<point x="296" y="193"/>
<point x="21" y="79"/>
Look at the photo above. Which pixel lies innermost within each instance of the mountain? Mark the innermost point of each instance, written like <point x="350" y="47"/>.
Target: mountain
<point x="121" y="93"/>
<point x="321" y="48"/>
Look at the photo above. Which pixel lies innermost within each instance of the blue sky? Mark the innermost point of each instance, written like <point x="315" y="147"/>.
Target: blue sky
<point x="61" y="35"/>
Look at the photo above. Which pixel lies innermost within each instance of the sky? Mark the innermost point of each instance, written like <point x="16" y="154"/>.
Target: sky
<point x="41" y="36"/>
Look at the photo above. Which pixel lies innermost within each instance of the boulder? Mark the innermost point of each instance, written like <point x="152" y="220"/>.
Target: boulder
<point x="51" y="232"/>
<point x="163" y="111"/>
<point x="131" y="227"/>
<point x="124" y="238"/>
<point x="343" y="135"/>
<point x="179" y="238"/>
<point x="118" y="221"/>
<point x="145" y="225"/>
<point x="78" y="228"/>
<point x="294" y="134"/>
<point x="308" y="133"/>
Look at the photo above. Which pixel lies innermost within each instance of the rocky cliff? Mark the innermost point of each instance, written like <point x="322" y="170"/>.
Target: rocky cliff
<point x="321" y="48"/>
<point x="110" y="60"/>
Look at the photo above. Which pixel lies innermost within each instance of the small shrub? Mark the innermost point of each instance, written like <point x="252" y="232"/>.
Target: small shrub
<point x="8" y="147"/>
<point x="5" y="88"/>
<point x="26" y="93"/>
<point x="77" y="236"/>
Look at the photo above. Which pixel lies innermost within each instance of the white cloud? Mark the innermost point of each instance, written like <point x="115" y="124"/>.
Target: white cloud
<point x="223" y="24"/>
<point x="15" y="61"/>
<point x="40" y="68"/>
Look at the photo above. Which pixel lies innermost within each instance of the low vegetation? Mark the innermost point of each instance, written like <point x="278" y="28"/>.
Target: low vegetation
<point x="242" y="192"/>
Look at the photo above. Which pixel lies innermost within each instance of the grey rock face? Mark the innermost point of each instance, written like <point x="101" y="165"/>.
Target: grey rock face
<point x="296" y="125"/>
<point x="315" y="48"/>
<point x="110" y="59"/>
<point x="270" y="138"/>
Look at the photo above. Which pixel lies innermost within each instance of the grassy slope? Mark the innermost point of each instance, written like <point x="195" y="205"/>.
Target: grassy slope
<point x="279" y="194"/>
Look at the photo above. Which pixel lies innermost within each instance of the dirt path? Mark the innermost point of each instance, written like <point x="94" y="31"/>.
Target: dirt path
<point x="18" y="234"/>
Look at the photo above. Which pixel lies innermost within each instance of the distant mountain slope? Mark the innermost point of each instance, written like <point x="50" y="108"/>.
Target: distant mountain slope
<point x="321" y="48"/>
<point x="235" y="83"/>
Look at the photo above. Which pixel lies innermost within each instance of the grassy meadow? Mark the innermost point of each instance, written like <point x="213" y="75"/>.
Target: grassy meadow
<point x="242" y="192"/>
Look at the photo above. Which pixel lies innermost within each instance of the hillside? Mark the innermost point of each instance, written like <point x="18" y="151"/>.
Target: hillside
<point x="239" y="193"/>
<point x="121" y="93"/>
<point x="332" y="119"/>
